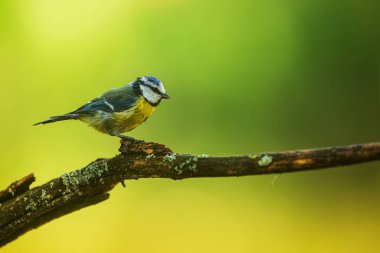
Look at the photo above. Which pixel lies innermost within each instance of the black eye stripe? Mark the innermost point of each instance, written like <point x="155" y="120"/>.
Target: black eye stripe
<point x="155" y="89"/>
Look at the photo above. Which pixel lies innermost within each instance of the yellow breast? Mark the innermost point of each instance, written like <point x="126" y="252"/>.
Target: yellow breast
<point x="128" y="120"/>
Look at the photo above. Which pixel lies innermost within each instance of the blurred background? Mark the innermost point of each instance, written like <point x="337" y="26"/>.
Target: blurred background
<point x="244" y="76"/>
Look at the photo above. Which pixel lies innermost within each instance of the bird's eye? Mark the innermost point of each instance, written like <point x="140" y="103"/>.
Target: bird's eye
<point x="155" y="89"/>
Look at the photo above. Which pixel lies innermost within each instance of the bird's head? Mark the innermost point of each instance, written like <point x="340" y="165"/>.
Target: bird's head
<point x="151" y="88"/>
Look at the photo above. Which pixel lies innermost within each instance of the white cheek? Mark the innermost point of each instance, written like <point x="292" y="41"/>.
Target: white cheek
<point x="150" y="95"/>
<point x="161" y="88"/>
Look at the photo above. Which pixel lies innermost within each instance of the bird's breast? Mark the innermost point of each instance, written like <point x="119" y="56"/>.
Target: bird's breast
<point x="130" y="119"/>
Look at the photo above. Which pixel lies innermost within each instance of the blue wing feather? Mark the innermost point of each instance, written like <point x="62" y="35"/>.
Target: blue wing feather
<point x="114" y="100"/>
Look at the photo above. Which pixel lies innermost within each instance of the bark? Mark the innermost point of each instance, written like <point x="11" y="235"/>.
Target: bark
<point x="22" y="209"/>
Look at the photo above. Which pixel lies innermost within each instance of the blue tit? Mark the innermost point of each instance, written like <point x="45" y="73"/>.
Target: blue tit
<point x="119" y="110"/>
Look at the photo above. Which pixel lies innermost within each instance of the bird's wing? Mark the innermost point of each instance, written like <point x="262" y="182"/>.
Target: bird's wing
<point x="114" y="100"/>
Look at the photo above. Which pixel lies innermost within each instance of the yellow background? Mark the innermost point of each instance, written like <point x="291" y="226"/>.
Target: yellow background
<point x="244" y="76"/>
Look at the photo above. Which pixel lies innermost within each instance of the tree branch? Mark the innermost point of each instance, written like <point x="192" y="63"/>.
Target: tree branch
<point x="16" y="188"/>
<point x="72" y="191"/>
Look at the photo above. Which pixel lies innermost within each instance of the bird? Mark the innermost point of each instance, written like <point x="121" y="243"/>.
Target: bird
<point x="119" y="110"/>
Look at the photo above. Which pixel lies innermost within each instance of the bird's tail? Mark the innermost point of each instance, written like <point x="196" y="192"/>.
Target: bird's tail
<point x="58" y="118"/>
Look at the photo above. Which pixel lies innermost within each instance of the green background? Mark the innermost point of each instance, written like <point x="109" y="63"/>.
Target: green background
<point x="244" y="76"/>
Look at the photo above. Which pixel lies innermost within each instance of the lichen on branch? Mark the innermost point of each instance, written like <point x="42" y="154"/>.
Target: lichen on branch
<point x="23" y="209"/>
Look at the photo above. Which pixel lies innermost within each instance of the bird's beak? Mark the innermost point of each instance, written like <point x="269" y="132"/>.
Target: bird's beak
<point x="165" y="96"/>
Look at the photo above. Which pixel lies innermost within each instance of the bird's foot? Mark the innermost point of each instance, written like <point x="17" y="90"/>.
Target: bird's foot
<point x="128" y="139"/>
